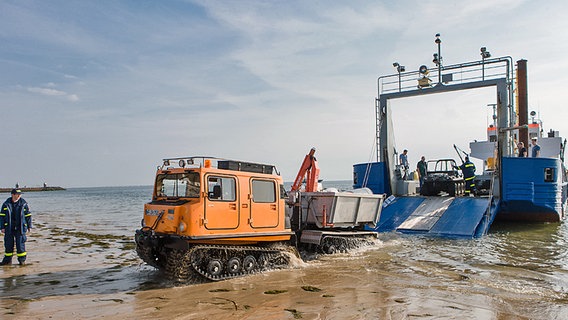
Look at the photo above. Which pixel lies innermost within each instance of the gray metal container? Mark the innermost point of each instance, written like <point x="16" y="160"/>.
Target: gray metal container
<point x="341" y="209"/>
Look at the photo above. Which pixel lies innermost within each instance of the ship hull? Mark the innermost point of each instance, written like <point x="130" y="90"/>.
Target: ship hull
<point x="534" y="190"/>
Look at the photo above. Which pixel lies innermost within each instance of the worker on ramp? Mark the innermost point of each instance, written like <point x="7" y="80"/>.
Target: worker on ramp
<point x="468" y="170"/>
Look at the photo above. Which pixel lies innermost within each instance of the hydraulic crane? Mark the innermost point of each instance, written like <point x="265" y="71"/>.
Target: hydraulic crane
<point x="310" y="171"/>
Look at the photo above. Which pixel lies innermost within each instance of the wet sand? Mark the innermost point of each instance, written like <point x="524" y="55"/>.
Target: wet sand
<point x="76" y="275"/>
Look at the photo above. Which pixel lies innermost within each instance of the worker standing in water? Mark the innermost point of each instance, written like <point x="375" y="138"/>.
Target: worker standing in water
<point x="15" y="221"/>
<point x="468" y="170"/>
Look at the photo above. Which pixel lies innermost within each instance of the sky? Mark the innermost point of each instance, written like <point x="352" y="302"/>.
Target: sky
<point x="96" y="93"/>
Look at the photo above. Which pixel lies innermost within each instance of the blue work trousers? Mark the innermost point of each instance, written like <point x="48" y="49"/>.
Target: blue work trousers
<point x="20" y="240"/>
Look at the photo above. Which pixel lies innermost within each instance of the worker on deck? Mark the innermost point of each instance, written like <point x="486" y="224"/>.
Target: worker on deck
<point x="535" y="148"/>
<point x="421" y="167"/>
<point x="404" y="163"/>
<point x="468" y="170"/>
<point x="15" y="221"/>
<point x="522" y="150"/>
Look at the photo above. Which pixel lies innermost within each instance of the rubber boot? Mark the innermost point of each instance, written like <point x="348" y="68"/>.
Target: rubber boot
<point x="6" y="261"/>
<point x="22" y="260"/>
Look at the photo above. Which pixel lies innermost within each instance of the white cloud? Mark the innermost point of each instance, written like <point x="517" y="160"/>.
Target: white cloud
<point x="73" y="97"/>
<point x="54" y="93"/>
<point x="47" y="91"/>
<point x="254" y="80"/>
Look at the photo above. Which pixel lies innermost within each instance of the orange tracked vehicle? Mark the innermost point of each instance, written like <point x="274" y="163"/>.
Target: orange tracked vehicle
<point x="219" y="219"/>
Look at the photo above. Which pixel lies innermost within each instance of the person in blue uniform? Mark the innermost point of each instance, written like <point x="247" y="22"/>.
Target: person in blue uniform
<point x="468" y="170"/>
<point x="404" y="163"/>
<point x="535" y="148"/>
<point x="422" y="168"/>
<point x="15" y="221"/>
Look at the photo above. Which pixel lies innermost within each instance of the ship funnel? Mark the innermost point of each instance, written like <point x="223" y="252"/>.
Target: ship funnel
<point x="523" y="100"/>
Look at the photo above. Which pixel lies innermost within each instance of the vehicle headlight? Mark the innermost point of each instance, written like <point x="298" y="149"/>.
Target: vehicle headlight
<point x="182" y="226"/>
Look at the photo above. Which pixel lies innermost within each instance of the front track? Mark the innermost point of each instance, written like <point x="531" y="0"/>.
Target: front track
<point x="220" y="262"/>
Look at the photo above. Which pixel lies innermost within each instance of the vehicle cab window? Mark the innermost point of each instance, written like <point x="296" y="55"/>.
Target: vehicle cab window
<point x="178" y="185"/>
<point x="263" y="191"/>
<point x="221" y="188"/>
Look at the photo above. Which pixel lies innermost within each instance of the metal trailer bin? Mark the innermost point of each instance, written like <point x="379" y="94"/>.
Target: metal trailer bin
<point x="341" y="209"/>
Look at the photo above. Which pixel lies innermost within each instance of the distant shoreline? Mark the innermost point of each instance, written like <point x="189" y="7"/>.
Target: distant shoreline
<point x="33" y="189"/>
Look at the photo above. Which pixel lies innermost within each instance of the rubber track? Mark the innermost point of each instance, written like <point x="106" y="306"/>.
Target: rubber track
<point x="146" y="254"/>
<point x="344" y="244"/>
<point x="274" y="255"/>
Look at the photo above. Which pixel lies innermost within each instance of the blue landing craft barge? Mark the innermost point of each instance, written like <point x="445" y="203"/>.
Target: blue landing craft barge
<point x="511" y="188"/>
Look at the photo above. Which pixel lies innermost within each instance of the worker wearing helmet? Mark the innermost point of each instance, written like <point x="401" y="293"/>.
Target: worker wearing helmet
<point x="468" y="170"/>
<point x="15" y="221"/>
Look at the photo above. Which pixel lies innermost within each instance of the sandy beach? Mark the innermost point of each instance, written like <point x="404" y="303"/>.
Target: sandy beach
<point x="74" y="275"/>
<point x="82" y="265"/>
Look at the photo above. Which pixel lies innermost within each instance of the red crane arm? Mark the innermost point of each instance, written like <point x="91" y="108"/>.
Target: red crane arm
<point x="310" y="168"/>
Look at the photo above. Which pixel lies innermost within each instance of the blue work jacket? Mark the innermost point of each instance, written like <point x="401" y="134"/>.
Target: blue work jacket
<point x="24" y="216"/>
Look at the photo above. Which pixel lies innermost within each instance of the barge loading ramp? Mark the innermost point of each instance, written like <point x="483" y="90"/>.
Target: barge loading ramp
<point x="447" y="217"/>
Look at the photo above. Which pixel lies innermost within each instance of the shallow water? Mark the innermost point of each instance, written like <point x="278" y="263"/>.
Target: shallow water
<point x="85" y="237"/>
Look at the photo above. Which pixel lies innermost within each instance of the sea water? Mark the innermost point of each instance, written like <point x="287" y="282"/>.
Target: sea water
<point x="519" y="269"/>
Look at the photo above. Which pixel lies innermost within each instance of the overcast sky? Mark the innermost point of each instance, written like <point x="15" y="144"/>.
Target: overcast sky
<point x="96" y="93"/>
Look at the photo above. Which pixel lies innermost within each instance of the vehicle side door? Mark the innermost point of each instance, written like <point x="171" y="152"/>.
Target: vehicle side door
<point x="264" y="203"/>
<point x="221" y="202"/>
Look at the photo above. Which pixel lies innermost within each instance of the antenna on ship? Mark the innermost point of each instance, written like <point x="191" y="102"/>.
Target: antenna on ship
<point x="399" y="69"/>
<point x="484" y="55"/>
<point x="438" y="57"/>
